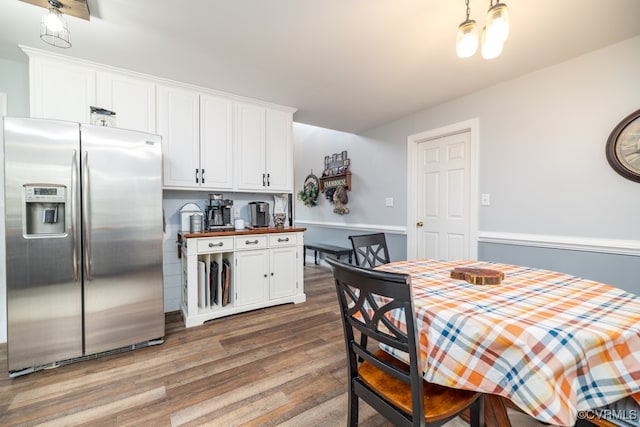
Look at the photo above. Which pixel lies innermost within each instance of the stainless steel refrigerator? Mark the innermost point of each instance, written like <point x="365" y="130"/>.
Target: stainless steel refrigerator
<point x="83" y="241"/>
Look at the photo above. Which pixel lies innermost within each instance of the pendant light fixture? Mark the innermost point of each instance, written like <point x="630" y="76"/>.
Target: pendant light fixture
<point x="498" y="21"/>
<point x="494" y="33"/>
<point x="467" y="38"/>
<point x="53" y="28"/>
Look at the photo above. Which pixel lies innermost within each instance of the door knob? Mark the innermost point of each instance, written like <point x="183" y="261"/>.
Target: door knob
<point x="419" y="224"/>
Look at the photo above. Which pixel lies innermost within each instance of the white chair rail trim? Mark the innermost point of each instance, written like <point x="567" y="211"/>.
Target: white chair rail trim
<point x="572" y="243"/>
<point x="374" y="228"/>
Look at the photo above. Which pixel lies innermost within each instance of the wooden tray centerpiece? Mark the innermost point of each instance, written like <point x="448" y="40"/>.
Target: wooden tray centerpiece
<point x="478" y="276"/>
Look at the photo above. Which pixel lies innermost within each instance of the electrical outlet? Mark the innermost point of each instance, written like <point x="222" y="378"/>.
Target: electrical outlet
<point x="236" y="213"/>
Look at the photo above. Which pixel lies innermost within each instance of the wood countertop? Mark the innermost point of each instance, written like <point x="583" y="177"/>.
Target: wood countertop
<point x="246" y="231"/>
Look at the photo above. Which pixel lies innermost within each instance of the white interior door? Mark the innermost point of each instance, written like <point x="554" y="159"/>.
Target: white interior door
<point x="443" y="191"/>
<point x="443" y="197"/>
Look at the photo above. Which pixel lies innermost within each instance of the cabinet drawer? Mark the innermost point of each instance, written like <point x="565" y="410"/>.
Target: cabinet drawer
<point x="215" y="244"/>
<point x="282" y="239"/>
<point x="251" y="241"/>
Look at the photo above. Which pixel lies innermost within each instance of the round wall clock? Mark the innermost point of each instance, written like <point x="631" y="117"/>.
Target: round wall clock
<point x="623" y="147"/>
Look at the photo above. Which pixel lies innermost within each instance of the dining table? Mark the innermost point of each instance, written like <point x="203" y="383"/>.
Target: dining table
<point x="555" y="345"/>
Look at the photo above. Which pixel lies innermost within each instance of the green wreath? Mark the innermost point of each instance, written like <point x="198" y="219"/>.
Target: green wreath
<point x="309" y="194"/>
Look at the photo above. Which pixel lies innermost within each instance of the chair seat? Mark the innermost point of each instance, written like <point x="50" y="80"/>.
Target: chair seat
<point x="440" y="402"/>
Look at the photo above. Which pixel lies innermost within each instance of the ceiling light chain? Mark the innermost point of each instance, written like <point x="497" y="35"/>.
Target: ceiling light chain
<point x="53" y="28"/>
<point x="494" y="33"/>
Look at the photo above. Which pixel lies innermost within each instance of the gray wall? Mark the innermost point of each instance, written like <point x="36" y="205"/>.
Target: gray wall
<point x="14" y="81"/>
<point x="621" y="270"/>
<point x="541" y="157"/>
<point x="372" y="181"/>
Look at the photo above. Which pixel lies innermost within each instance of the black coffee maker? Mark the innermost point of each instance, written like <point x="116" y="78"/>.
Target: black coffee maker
<point x="219" y="213"/>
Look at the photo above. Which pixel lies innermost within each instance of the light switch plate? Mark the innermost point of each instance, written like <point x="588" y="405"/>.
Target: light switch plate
<point x="388" y="202"/>
<point x="485" y="199"/>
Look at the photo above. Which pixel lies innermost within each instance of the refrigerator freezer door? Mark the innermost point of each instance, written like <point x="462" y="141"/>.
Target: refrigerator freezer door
<point x="122" y="201"/>
<point x="44" y="291"/>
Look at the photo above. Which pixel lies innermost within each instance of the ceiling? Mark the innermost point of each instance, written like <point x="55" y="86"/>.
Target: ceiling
<point x="349" y="65"/>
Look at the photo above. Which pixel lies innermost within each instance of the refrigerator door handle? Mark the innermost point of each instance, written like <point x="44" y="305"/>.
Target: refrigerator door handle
<point x="86" y="226"/>
<point x="74" y="209"/>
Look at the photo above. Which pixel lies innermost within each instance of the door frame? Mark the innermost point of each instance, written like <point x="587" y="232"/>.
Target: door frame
<point x="472" y="126"/>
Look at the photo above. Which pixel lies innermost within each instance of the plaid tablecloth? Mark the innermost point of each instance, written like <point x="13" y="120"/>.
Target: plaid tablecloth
<point x="554" y="344"/>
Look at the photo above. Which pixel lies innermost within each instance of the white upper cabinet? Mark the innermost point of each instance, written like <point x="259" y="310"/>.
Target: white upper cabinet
<point x="251" y="150"/>
<point x="61" y="90"/>
<point x="197" y="139"/>
<point x="178" y="115"/>
<point x="211" y="140"/>
<point x="264" y="155"/>
<point x="216" y="142"/>
<point x="132" y="99"/>
<point x="279" y="160"/>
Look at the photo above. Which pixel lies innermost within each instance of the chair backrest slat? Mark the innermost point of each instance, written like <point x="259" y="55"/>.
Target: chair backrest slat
<point x="370" y="250"/>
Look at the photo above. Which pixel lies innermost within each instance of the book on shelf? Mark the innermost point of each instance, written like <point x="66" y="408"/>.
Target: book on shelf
<point x="214" y="278"/>
<point x="202" y="277"/>
<point x="226" y="280"/>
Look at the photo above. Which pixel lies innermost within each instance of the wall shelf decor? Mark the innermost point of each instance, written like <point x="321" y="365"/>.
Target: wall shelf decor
<point x="336" y="181"/>
<point x="336" y="172"/>
<point x="341" y="180"/>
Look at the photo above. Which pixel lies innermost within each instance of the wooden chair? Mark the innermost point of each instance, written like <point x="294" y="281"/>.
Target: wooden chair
<point x="370" y="250"/>
<point x="369" y="302"/>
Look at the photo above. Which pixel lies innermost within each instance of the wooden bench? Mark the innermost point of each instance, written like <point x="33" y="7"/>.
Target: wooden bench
<point x="334" y="250"/>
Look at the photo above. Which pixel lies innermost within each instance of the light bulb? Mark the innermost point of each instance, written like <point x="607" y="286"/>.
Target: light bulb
<point x="498" y="21"/>
<point x="491" y="46"/>
<point x="53" y="21"/>
<point x="467" y="39"/>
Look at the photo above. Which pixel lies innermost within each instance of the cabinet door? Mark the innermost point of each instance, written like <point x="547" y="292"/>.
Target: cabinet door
<point x="251" y="276"/>
<point x="250" y="140"/>
<point x="178" y="115"/>
<point x="132" y="99"/>
<point x="283" y="272"/>
<point x="216" y="142"/>
<point x="61" y="90"/>
<point x="279" y="151"/>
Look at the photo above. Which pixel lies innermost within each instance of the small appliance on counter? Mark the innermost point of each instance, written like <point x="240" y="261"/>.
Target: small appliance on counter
<point x="259" y="214"/>
<point x="186" y="211"/>
<point x="218" y="213"/>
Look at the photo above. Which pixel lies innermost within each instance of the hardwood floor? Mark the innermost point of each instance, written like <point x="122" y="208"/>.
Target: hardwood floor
<point x="282" y="366"/>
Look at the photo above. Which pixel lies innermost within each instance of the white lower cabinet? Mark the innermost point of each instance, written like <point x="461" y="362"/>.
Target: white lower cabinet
<point x="227" y="275"/>
<point x="283" y="268"/>
<point x="252" y="269"/>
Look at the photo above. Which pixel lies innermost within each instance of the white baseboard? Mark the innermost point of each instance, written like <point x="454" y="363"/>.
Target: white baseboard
<point x="572" y="243"/>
